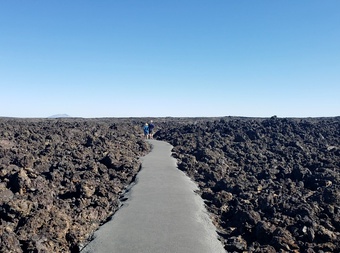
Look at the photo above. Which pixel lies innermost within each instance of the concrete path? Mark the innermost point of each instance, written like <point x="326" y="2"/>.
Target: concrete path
<point x="162" y="213"/>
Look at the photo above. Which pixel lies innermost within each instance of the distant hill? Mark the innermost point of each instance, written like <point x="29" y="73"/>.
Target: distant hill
<point x="59" y="116"/>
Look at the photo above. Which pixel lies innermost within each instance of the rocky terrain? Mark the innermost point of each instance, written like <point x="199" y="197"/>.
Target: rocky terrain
<point x="61" y="178"/>
<point x="271" y="185"/>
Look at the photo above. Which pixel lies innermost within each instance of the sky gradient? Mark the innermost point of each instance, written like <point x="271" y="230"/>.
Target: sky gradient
<point x="189" y="58"/>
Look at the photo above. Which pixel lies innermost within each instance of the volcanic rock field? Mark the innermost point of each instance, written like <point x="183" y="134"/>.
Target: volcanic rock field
<point x="61" y="179"/>
<point x="272" y="185"/>
<point x="269" y="184"/>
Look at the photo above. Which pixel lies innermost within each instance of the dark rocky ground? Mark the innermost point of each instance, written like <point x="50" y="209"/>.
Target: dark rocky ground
<point x="61" y="178"/>
<point x="272" y="185"/>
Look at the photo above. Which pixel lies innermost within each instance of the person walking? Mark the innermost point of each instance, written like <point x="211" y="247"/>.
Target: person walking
<point x="146" y="131"/>
<point x="151" y="127"/>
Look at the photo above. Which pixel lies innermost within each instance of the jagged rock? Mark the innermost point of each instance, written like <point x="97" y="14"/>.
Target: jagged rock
<point x="282" y="177"/>
<point x="9" y="242"/>
<point x="271" y="185"/>
<point x="237" y="244"/>
<point x="62" y="178"/>
<point x="283" y="239"/>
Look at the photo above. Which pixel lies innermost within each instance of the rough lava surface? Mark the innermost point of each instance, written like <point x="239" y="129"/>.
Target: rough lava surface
<point x="271" y="185"/>
<point x="61" y="178"/>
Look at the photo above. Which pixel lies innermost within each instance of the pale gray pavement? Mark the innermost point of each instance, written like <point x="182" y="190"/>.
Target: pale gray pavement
<point x="162" y="213"/>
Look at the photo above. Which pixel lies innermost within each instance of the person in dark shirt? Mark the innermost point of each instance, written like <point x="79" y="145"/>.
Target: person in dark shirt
<point x="151" y="128"/>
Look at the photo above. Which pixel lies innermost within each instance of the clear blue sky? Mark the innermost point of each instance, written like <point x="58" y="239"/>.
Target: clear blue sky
<point x="132" y="58"/>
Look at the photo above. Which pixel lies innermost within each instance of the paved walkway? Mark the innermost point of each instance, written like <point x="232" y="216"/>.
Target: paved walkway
<point x="162" y="213"/>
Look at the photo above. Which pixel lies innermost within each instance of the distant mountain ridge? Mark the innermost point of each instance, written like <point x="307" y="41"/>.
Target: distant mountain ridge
<point x="59" y="116"/>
